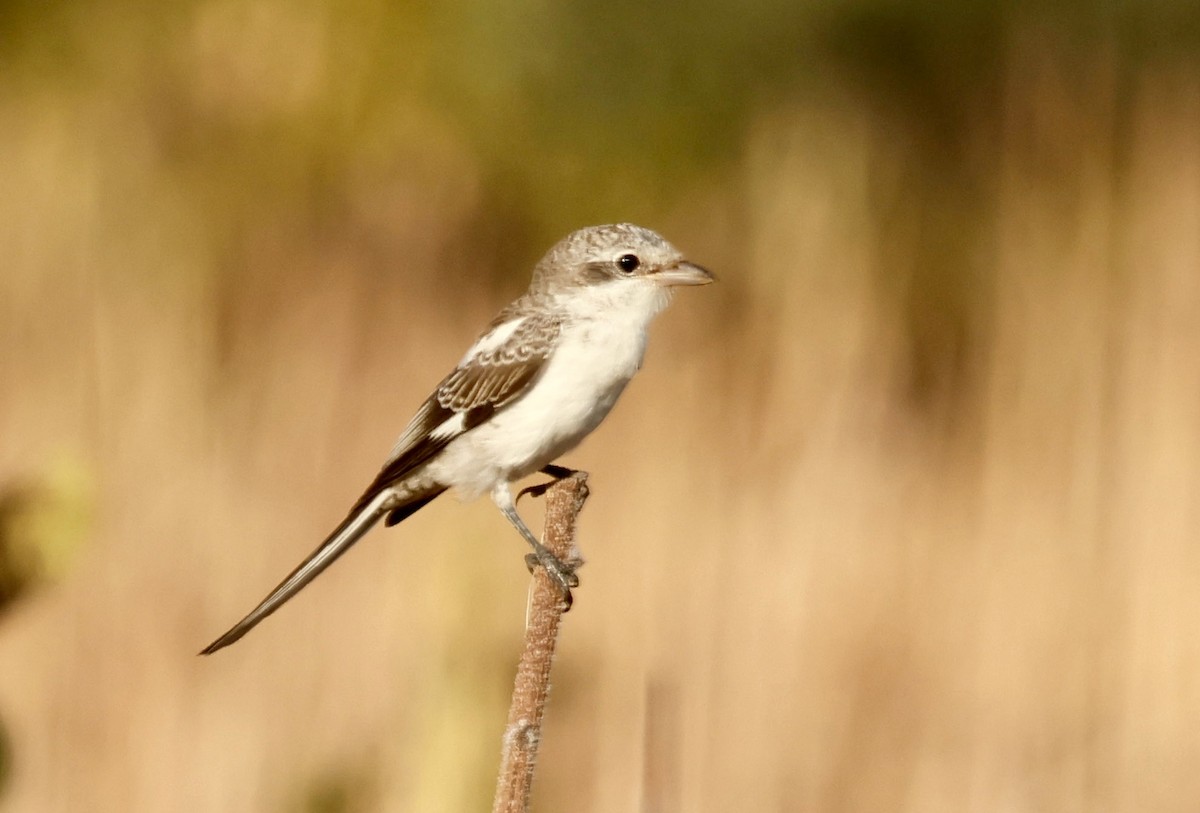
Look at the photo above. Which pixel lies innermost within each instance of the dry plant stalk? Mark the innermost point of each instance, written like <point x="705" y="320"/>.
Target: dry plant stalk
<point x="564" y="500"/>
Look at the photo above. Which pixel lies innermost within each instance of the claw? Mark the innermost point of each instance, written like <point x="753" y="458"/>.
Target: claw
<point x="561" y="472"/>
<point x="561" y="572"/>
<point x="536" y="490"/>
<point x="558" y="473"/>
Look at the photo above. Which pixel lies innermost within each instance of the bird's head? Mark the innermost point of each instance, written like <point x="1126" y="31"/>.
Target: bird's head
<point x="618" y="263"/>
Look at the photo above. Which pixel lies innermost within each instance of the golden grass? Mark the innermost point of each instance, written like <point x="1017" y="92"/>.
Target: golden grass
<point x="810" y="586"/>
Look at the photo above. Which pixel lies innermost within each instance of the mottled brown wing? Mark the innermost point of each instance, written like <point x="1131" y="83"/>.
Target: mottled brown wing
<point x="483" y="383"/>
<point x="497" y="376"/>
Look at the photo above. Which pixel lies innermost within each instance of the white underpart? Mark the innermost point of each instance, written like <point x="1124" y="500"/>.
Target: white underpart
<point x="600" y="347"/>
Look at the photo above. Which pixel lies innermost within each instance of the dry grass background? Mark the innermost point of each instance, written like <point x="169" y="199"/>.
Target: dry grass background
<point x="862" y="537"/>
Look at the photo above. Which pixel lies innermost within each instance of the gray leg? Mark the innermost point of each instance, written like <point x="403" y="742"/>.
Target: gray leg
<point x="560" y="571"/>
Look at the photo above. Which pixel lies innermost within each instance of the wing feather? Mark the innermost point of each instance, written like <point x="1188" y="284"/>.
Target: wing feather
<point x="483" y="383"/>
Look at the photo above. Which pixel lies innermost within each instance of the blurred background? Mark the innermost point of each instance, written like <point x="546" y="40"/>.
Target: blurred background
<point x="900" y="515"/>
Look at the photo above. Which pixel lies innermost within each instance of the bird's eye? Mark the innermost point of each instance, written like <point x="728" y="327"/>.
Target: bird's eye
<point x="628" y="263"/>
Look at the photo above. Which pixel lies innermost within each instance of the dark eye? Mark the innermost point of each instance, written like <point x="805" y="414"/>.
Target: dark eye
<point x="628" y="263"/>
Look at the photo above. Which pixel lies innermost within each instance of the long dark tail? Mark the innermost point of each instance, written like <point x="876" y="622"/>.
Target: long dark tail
<point x="353" y="527"/>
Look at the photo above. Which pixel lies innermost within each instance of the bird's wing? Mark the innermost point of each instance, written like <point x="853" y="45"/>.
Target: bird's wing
<point x="496" y="371"/>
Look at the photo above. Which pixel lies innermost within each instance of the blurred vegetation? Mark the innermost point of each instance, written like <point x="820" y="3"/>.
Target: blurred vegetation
<point x="41" y="530"/>
<point x="570" y="112"/>
<point x="350" y="791"/>
<point x="267" y="111"/>
<point x="5" y="758"/>
<point x="900" y="517"/>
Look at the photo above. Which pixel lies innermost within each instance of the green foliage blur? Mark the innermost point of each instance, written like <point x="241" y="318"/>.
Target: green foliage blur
<point x="572" y="113"/>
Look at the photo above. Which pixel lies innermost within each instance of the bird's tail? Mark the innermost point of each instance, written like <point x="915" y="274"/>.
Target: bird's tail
<point x="353" y="527"/>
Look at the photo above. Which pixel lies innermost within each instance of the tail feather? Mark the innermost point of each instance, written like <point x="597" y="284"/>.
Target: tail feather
<point x="343" y="537"/>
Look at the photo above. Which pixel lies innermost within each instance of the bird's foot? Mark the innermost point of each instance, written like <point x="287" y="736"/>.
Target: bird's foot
<point x="558" y="473"/>
<point x="562" y="573"/>
<point x="561" y="472"/>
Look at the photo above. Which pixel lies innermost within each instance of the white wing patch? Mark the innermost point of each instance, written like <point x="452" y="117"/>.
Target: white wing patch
<point x="493" y="339"/>
<point x="451" y="427"/>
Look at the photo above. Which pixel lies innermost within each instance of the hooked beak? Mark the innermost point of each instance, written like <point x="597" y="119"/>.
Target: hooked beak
<point x="683" y="273"/>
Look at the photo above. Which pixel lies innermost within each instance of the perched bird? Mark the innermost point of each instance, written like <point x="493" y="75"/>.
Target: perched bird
<point x="544" y="374"/>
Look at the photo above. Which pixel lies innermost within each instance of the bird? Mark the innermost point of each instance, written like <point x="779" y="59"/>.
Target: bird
<point x="543" y="374"/>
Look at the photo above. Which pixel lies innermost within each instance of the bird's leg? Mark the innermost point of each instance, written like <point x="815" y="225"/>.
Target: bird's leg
<point x="558" y="473"/>
<point x="559" y="570"/>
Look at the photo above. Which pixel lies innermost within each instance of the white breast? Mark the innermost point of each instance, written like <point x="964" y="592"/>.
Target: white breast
<point x="597" y="354"/>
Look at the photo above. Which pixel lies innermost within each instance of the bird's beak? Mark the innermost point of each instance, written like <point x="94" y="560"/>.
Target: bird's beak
<point x="684" y="273"/>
